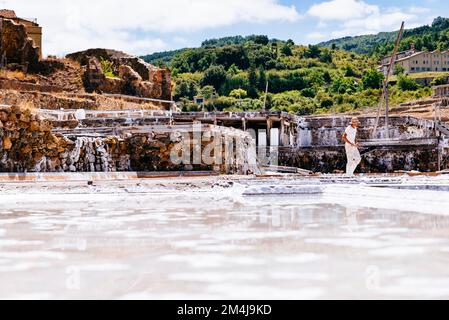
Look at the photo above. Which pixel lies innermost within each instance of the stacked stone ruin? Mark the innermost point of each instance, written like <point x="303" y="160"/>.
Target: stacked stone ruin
<point x="133" y="77"/>
<point x="29" y="144"/>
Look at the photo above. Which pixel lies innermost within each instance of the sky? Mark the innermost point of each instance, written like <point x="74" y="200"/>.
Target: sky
<point x="145" y="26"/>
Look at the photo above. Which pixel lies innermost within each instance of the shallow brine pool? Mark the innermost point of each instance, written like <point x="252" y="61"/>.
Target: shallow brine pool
<point x="220" y="245"/>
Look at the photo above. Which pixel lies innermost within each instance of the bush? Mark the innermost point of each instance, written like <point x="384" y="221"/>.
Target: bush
<point x="308" y="92"/>
<point x="405" y="83"/>
<point x="238" y="93"/>
<point x="185" y="88"/>
<point x="372" y="79"/>
<point x="438" y="81"/>
<point x="327" y="103"/>
<point x="108" y="68"/>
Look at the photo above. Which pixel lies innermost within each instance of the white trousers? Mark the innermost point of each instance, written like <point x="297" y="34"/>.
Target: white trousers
<point x="354" y="158"/>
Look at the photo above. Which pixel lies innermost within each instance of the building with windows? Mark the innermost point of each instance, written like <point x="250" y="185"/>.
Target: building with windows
<point x="418" y="61"/>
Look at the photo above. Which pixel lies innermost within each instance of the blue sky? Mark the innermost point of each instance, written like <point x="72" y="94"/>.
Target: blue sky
<point x="146" y="26"/>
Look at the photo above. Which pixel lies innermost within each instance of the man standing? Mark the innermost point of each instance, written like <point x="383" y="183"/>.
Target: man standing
<point x="352" y="150"/>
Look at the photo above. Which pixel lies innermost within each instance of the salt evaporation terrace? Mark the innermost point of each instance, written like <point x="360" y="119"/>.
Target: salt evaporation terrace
<point x="312" y="143"/>
<point x="117" y="234"/>
<point x="228" y="237"/>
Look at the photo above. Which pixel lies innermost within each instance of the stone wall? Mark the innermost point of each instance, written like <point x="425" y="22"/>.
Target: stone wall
<point x="29" y="145"/>
<point x="56" y="100"/>
<point x="382" y="160"/>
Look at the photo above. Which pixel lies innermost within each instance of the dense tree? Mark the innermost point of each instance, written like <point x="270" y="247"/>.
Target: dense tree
<point x="372" y="79"/>
<point x="238" y="93"/>
<point x="185" y="88"/>
<point x="286" y="50"/>
<point x="326" y="56"/>
<point x="312" y="52"/>
<point x="214" y="76"/>
<point x="262" y="81"/>
<point x="232" y="75"/>
<point x="253" y="82"/>
<point x="405" y="83"/>
<point x="398" y="69"/>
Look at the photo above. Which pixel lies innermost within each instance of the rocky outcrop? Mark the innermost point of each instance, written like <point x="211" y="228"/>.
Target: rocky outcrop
<point x="16" y="48"/>
<point x="139" y="78"/>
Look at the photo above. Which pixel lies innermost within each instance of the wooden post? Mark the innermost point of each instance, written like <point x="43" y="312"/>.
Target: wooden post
<point x="387" y="110"/>
<point x="269" y="125"/>
<point x="244" y="124"/>
<point x="282" y="133"/>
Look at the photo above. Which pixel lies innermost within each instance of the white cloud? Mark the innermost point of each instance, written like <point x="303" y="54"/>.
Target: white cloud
<point x="356" y="17"/>
<point x="317" y="36"/>
<point x="340" y="10"/>
<point x="123" y="25"/>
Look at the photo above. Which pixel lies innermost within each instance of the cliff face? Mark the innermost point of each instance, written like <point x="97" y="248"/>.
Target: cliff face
<point x="134" y="76"/>
<point x="16" y="48"/>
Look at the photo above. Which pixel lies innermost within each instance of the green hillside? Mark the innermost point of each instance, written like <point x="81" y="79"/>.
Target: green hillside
<point x="426" y="38"/>
<point x="232" y="73"/>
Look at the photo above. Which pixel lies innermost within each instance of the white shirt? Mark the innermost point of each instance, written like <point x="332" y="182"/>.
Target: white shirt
<point x="351" y="133"/>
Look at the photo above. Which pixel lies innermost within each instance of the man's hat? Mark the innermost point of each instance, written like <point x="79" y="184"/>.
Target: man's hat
<point x="355" y="119"/>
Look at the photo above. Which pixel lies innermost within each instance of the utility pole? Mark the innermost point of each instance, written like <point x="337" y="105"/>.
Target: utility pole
<point x="385" y="85"/>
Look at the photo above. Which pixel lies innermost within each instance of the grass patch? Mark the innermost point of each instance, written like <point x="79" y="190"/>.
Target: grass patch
<point x="421" y="75"/>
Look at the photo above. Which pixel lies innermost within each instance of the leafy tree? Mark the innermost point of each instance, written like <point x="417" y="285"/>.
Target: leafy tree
<point x="235" y="54"/>
<point x="234" y="82"/>
<point x="398" y="69"/>
<point x="233" y="70"/>
<point x="405" y="83"/>
<point x="327" y="77"/>
<point x="308" y="92"/>
<point x="259" y="39"/>
<point x="207" y="92"/>
<point x="344" y="85"/>
<point x="185" y="88"/>
<point x="372" y="79"/>
<point x="262" y="81"/>
<point x="214" y="76"/>
<point x="238" y="93"/>
<point x="327" y="103"/>
<point x="326" y="56"/>
<point x="312" y="51"/>
<point x="253" y="82"/>
<point x="286" y="50"/>
<point x="349" y="71"/>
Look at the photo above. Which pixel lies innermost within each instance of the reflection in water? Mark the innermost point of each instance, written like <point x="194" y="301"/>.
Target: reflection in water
<point x="210" y="246"/>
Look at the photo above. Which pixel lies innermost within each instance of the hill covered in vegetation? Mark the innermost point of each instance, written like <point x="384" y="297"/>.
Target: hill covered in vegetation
<point x="232" y="74"/>
<point x="425" y="38"/>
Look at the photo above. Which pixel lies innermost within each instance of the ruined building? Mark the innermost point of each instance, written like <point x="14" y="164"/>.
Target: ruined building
<point x="128" y="75"/>
<point x="20" y="41"/>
